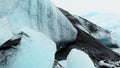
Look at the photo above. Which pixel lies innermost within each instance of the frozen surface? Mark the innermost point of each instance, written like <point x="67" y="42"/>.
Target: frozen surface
<point x="35" y="51"/>
<point x="116" y="36"/>
<point x="104" y="36"/>
<point x="107" y="21"/>
<point x="43" y="16"/>
<point x="7" y="6"/>
<point x="79" y="59"/>
<point x="40" y="15"/>
<point x="63" y="63"/>
<point x="5" y="30"/>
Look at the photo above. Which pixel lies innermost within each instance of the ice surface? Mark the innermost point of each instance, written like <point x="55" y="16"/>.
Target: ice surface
<point x="116" y="36"/>
<point x="104" y="36"/>
<point x="5" y="30"/>
<point x="107" y="21"/>
<point x="35" y="51"/>
<point x="40" y="15"/>
<point x="7" y="6"/>
<point x="79" y="59"/>
<point x="63" y="63"/>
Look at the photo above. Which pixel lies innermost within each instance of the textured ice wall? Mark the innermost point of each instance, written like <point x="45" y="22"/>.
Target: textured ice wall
<point x="40" y="15"/>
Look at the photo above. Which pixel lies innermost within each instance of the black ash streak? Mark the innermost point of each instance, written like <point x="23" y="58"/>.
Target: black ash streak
<point x="10" y="44"/>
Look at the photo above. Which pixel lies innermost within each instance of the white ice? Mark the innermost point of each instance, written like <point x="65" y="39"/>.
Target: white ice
<point x="42" y="16"/>
<point x="79" y="59"/>
<point x="35" y="51"/>
<point x="5" y="30"/>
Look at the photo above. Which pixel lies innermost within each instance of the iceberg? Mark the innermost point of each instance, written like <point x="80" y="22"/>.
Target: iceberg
<point x="40" y="15"/>
<point x="35" y="51"/>
<point x="79" y="59"/>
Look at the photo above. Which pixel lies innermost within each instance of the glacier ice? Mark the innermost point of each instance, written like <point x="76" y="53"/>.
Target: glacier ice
<point x="63" y="63"/>
<point x="60" y="64"/>
<point x="5" y="30"/>
<point x="33" y="51"/>
<point x="104" y="36"/>
<point x="116" y="36"/>
<point x="7" y="7"/>
<point x="92" y="29"/>
<point x="76" y="59"/>
<point x="79" y="59"/>
<point x="87" y="43"/>
<point x="40" y="15"/>
<point x="107" y="21"/>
